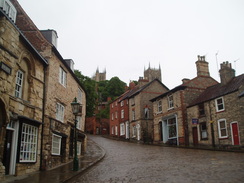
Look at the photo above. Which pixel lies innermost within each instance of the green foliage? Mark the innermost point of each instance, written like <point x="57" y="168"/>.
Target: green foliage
<point x="91" y="95"/>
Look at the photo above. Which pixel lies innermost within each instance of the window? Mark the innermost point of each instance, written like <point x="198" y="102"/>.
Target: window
<point x="203" y="131"/>
<point x="122" y="129"/>
<point x="112" y="129"/>
<point x="170" y="102"/>
<point x="116" y="115"/>
<point x="122" y="103"/>
<point x="19" y="84"/>
<point x="56" y="144"/>
<point x="112" y="116"/>
<point x="133" y="115"/>
<point x="159" y="106"/>
<point x="79" y="98"/>
<point x="62" y="76"/>
<point x="219" y="104"/>
<point x="116" y="130"/>
<point x="122" y="113"/>
<point x="79" y="120"/>
<point x="9" y="9"/>
<point x="78" y="147"/>
<point x="60" y="112"/>
<point x="28" y="147"/>
<point x="222" y="128"/>
<point x="112" y="105"/>
<point x="132" y="101"/>
<point x="172" y="128"/>
<point x="201" y="109"/>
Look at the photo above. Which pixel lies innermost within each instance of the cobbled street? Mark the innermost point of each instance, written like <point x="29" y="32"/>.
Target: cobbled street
<point x="131" y="162"/>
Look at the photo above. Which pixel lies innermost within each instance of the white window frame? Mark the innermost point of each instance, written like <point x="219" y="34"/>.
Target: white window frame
<point x="60" y="112"/>
<point x="218" y="105"/>
<point x="19" y="84"/>
<point x="134" y="131"/>
<point x="203" y="133"/>
<point x="112" y="130"/>
<point x="170" y="102"/>
<point x="112" y="116"/>
<point x="79" y="120"/>
<point x="116" y="114"/>
<point x="122" y="129"/>
<point x="160" y="109"/>
<point x="116" y="130"/>
<point x="62" y="77"/>
<point x="9" y="9"/>
<point x="220" y="129"/>
<point x="58" y="143"/>
<point x="29" y="143"/>
<point x="122" y="114"/>
<point x="78" y="148"/>
<point x="122" y="103"/>
<point x="112" y="105"/>
<point x="79" y="97"/>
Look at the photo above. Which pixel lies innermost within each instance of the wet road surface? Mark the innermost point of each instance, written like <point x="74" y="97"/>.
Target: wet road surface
<point x="130" y="162"/>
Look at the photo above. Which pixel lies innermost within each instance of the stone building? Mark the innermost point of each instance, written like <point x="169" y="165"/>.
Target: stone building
<point x="216" y="117"/>
<point x="61" y="87"/>
<point x="152" y="73"/>
<point x="22" y="96"/>
<point x="169" y="109"/>
<point x="140" y="109"/>
<point x="99" y="76"/>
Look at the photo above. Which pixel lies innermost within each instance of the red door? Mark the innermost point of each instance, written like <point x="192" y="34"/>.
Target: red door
<point x="195" y="136"/>
<point x="235" y="134"/>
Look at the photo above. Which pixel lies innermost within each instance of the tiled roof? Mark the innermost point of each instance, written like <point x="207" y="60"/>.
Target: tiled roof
<point x="219" y="90"/>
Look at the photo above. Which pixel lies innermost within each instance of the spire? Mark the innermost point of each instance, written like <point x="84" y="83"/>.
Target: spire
<point x="149" y="66"/>
<point x="159" y="67"/>
<point x="97" y="70"/>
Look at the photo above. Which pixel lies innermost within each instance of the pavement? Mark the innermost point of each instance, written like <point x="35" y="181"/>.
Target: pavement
<point x="94" y="153"/>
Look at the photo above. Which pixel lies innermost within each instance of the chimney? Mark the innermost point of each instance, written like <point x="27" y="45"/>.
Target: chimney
<point x="185" y="80"/>
<point x="132" y="85"/>
<point x="226" y="72"/>
<point x="142" y="82"/>
<point x="70" y="63"/>
<point x="51" y="36"/>
<point x="202" y="66"/>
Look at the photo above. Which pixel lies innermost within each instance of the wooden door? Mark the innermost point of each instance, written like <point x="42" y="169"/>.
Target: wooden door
<point x="195" y="136"/>
<point x="235" y="134"/>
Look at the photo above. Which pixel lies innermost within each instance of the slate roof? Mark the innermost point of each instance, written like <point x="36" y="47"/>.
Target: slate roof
<point x="219" y="90"/>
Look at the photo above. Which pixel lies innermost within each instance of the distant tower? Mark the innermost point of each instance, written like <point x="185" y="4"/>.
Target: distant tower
<point x="151" y="74"/>
<point x="99" y="76"/>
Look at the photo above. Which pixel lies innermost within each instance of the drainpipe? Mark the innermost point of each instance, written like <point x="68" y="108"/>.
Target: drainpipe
<point x="211" y="123"/>
<point x="43" y="116"/>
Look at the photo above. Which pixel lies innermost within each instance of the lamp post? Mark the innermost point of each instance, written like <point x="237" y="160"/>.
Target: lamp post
<point x="76" y="106"/>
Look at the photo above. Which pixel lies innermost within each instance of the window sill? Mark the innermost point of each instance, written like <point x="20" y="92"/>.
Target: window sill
<point x="220" y="111"/>
<point x="223" y="138"/>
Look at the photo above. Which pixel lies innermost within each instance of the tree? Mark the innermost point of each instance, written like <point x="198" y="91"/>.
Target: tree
<point x="115" y="87"/>
<point x="91" y="95"/>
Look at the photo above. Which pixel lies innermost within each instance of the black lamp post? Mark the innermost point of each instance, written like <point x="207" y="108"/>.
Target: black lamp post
<point x="76" y="109"/>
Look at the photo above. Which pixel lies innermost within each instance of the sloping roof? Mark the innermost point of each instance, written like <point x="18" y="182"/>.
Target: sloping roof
<point x="219" y="90"/>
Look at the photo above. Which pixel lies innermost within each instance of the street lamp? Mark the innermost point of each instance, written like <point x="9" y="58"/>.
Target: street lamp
<point x="76" y="109"/>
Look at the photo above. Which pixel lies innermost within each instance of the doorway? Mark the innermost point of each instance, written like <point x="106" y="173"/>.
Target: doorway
<point x="195" y="136"/>
<point x="235" y="133"/>
<point x="7" y="151"/>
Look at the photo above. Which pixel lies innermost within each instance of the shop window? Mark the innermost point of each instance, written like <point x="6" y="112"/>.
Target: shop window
<point x="28" y="147"/>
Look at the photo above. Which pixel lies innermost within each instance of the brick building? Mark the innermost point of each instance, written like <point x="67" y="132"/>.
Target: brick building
<point x="61" y="87"/>
<point x="21" y="98"/>
<point x="169" y="109"/>
<point x="216" y="117"/>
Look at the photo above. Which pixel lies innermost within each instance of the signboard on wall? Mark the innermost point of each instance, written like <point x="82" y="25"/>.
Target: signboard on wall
<point x="194" y="121"/>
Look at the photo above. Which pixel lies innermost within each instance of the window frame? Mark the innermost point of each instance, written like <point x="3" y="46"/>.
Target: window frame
<point x="201" y="109"/>
<point x="79" y="148"/>
<point x="59" y="144"/>
<point x="60" y="113"/>
<point x="122" y="114"/>
<point x="122" y="129"/>
<point x="159" y="106"/>
<point x="203" y="131"/>
<point x="220" y="129"/>
<point x="62" y="77"/>
<point x="170" y="101"/>
<point x="79" y="97"/>
<point x="133" y="115"/>
<point x="19" y="84"/>
<point x="28" y="143"/>
<point x="217" y="104"/>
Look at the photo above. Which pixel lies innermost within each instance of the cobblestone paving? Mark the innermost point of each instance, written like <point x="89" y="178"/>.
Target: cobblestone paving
<point x="129" y="162"/>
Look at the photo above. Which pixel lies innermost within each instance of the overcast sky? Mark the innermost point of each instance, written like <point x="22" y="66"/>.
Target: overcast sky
<point x="124" y="36"/>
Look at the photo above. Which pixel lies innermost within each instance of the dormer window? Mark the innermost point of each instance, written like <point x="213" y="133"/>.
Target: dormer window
<point x="9" y="9"/>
